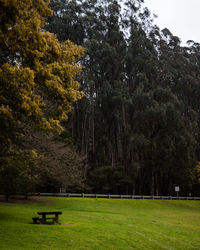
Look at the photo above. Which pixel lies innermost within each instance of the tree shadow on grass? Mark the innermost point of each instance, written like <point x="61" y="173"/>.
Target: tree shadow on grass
<point x="31" y="200"/>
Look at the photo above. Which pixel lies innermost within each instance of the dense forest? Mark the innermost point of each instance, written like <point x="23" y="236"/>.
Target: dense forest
<point x="128" y="123"/>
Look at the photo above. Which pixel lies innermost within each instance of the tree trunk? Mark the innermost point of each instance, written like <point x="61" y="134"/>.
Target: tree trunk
<point x="152" y="183"/>
<point x="124" y="116"/>
<point x="7" y="197"/>
<point x="83" y="137"/>
<point x="73" y="123"/>
<point x="156" y="184"/>
<point x="92" y="128"/>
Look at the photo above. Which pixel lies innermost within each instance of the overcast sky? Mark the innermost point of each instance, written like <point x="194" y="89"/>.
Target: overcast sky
<point x="181" y="17"/>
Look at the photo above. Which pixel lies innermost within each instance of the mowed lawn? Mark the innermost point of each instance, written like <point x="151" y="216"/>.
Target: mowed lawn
<point x="88" y="223"/>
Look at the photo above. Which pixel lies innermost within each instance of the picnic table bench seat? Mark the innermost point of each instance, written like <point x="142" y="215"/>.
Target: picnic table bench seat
<point x="35" y="220"/>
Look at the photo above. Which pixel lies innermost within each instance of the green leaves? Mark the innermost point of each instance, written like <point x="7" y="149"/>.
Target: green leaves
<point x="141" y="104"/>
<point x="18" y="171"/>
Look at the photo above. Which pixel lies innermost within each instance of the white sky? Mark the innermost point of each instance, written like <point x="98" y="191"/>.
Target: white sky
<point x="181" y="17"/>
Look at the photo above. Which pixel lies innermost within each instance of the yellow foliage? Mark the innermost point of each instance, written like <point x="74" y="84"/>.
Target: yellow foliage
<point x="37" y="73"/>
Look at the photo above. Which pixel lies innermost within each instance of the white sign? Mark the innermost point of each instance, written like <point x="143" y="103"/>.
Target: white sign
<point x="177" y="189"/>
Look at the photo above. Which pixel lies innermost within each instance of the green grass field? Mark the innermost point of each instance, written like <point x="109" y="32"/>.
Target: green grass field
<point x="101" y="224"/>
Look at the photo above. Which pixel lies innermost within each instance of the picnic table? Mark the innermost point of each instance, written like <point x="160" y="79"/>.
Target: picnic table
<point x="45" y="219"/>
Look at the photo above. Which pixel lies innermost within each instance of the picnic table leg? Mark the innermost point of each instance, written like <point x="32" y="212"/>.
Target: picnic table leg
<point x="44" y="218"/>
<point x="56" y="218"/>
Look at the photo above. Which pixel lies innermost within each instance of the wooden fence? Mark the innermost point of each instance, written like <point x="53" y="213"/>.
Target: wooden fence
<point x="116" y="196"/>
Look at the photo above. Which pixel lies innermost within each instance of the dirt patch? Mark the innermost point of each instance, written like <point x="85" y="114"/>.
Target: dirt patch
<point x="68" y="224"/>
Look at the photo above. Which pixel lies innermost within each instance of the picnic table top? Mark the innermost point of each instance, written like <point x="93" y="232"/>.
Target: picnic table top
<point x="56" y="212"/>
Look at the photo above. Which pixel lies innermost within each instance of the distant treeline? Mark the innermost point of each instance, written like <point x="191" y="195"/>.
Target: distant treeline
<point x="138" y="125"/>
<point x="112" y="105"/>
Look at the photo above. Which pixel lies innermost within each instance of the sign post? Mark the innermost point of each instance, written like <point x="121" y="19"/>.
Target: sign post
<point x="177" y="189"/>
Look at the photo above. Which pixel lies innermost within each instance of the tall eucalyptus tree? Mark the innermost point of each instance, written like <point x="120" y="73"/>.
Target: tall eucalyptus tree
<point x="138" y="124"/>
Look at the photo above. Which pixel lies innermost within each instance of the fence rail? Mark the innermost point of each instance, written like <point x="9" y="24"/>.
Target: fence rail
<point x="116" y="196"/>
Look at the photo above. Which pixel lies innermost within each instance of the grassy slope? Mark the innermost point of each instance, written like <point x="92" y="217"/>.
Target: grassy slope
<point x="102" y="224"/>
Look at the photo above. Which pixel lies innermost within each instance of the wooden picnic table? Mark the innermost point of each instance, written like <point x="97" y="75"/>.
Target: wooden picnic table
<point x="45" y="217"/>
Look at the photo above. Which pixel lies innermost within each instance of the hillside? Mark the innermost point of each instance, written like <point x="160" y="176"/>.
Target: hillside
<point x="101" y="224"/>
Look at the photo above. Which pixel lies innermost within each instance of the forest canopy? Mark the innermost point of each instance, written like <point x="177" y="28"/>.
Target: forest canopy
<point x="138" y="123"/>
<point x="130" y="119"/>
